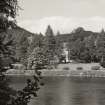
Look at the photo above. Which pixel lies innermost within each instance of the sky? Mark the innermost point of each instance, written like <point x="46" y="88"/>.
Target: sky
<point x="62" y="15"/>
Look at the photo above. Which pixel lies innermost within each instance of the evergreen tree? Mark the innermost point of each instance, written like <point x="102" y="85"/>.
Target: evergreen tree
<point x="91" y="48"/>
<point x="59" y="46"/>
<point x="50" y="43"/>
<point x="37" y="41"/>
<point x="100" y="44"/>
<point x="58" y="33"/>
<point x="22" y="50"/>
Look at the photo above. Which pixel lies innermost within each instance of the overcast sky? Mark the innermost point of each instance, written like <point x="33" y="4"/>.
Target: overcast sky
<point x="62" y="15"/>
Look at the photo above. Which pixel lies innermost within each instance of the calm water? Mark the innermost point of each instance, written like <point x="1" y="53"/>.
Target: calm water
<point x="67" y="91"/>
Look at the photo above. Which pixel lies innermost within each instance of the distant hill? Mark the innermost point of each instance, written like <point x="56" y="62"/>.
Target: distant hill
<point x="18" y="32"/>
<point x="74" y="36"/>
<point x="18" y="36"/>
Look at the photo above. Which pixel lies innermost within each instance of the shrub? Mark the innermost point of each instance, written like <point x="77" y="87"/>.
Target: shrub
<point x="102" y="64"/>
<point x="66" y="68"/>
<point x="79" y="68"/>
<point x="95" y="67"/>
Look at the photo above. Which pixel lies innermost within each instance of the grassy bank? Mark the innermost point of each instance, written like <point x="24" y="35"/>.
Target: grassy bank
<point x="70" y="70"/>
<point x="75" y="73"/>
<point x="69" y="73"/>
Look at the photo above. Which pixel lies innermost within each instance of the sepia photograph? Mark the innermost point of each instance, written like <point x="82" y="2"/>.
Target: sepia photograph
<point x="52" y="52"/>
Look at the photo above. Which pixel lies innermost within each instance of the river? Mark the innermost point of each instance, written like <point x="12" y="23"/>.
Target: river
<point x="67" y="91"/>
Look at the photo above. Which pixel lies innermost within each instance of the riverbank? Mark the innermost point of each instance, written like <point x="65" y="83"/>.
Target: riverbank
<point x="68" y="73"/>
<point x="75" y="73"/>
<point x="69" y="70"/>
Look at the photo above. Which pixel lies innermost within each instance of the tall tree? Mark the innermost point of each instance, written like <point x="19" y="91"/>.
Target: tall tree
<point x="91" y="47"/>
<point x="37" y="41"/>
<point x="59" y="46"/>
<point x="8" y="10"/>
<point x="22" y="49"/>
<point x="100" y="44"/>
<point x="50" y="43"/>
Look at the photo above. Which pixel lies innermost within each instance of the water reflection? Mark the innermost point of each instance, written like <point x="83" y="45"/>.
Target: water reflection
<point x="66" y="91"/>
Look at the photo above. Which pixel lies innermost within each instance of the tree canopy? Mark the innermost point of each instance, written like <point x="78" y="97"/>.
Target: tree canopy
<point x="8" y="10"/>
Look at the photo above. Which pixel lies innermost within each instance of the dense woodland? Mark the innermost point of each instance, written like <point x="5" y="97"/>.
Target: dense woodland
<point x="83" y="46"/>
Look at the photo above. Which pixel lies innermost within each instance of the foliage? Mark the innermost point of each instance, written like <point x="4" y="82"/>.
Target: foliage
<point x="37" y="41"/>
<point x="24" y="96"/>
<point x="102" y="63"/>
<point x="21" y="40"/>
<point x="79" y="68"/>
<point x="82" y="48"/>
<point x="59" y="47"/>
<point x="76" y="51"/>
<point x="5" y="91"/>
<point x="8" y="10"/>
<point x="50" y="43"/>
<point x="78" y="30"/>
<point x="100" y="43"/>
<point x="22" y="50"/>
<point x="91" y="46"/>
<point x="95" y="68"/>
<point x="53" y="46"/>
<point x="37" y="59"/>
<point x="66" y="68"/>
